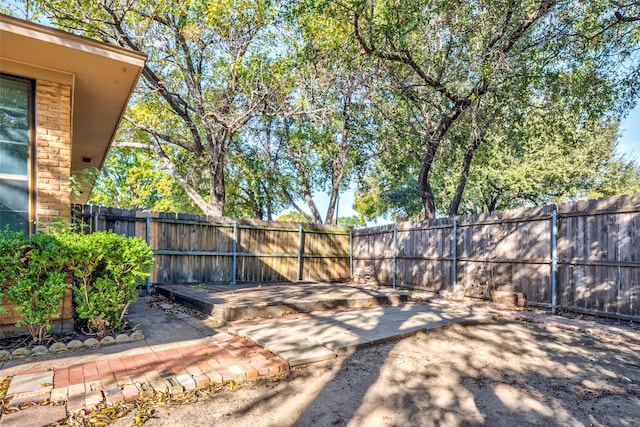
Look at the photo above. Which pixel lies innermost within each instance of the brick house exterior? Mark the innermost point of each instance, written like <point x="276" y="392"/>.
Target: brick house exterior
<point x="69" y="94"/>
<point x="53" y="151"/>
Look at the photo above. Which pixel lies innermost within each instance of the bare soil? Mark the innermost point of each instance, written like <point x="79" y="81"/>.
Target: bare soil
<point x="498" y="374"/>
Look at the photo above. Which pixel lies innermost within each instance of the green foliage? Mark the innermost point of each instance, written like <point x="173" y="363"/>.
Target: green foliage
<point x="10" y="243"/>
<point x="351" y="221"/>
<point x="80" y="181"/>
<point x="618" y="175"/>
<point x="257" y="178"/>
<point x="465" y="68"/>
<point x="345" y="221"/>
<point x="136" y="180"/>
<point x="248" y="107"/>
<point x="211" y="68"/>
<point x="331" y="135"/>
<point x="35" y="270"/>
<point x="550" y="155"/>
<point x="218" y="76"/>
<point x="293" y="216"/>
<point x="107" y="268"/>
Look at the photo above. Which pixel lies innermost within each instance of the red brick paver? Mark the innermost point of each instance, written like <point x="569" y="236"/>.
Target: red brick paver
<point x="127" y="378"/>
<point x="61" y="378"/>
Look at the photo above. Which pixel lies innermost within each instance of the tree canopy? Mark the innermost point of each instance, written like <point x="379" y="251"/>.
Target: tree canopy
<point x="428" y="107"/>
<point x="457" y="62"/>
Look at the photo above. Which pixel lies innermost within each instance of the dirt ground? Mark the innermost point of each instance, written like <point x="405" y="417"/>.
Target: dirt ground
<point x="499" y="374"/>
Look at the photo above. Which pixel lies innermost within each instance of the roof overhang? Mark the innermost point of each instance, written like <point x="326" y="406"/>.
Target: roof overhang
<point x="102" y="77"/>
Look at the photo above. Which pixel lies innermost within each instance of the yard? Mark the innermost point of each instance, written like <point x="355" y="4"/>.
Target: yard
<point x="497" y="374"/>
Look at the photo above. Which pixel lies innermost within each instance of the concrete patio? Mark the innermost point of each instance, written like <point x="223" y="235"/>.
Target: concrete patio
<point x="249" y="301"/>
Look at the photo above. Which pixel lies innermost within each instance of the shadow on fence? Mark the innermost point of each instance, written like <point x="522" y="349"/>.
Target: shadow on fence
<point x="590" y="260"/>
<point x="582" y="256"/>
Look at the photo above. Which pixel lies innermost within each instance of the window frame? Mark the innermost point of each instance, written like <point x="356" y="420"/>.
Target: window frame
<point x="31" y="150"/>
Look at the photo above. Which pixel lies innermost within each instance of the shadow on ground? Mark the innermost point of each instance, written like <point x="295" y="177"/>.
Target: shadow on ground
<point x="497" y="374"/>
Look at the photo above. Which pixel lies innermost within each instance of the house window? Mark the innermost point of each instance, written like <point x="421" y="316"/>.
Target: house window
<point x="16" y="123"/>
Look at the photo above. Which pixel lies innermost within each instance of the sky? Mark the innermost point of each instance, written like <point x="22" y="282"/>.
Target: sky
<point x="630" y="139"/>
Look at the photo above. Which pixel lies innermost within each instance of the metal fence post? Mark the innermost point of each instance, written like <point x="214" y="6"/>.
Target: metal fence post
<point x="147" y="230"/>
<point x="454" y="255"/>
<point x="300" y="251"/>
<point x="96" y="218"/>
<point x="234" y="264"/>
<point x="395" y="254"/>
<point x="351" y="254"/>
<point x="554" y="260"/>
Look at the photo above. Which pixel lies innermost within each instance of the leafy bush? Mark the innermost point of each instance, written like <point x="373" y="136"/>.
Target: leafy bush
<point x="35" y="270"/>
<point x="9" y="243"/>
<point x="107" y="269"/>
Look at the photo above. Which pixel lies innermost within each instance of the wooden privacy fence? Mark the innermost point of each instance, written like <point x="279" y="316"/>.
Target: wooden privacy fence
<point x="198" y="249"/>
<point x="582" y="256"/>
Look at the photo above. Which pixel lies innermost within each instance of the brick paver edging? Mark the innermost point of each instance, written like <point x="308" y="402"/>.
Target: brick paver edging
<point x="84" y="386"/>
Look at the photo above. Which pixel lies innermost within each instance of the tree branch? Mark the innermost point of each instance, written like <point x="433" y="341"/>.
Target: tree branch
<point x="404" y="58"/>
<point x="292" y="202"/>
<point x="152" y="131"/>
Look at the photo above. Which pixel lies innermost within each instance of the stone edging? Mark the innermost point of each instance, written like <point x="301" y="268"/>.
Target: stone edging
<point x="58" y="347"/>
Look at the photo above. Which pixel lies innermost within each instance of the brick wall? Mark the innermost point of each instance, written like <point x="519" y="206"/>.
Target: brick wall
<point x="53" y="152"/>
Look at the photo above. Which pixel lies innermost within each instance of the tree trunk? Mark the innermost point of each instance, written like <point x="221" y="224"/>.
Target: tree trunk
<point x="464" y="175"/>
<point x="217" y="193"/>
<point x="424" y="187"/>
<point x="337" y="173"/>
<point x="335" y="193"/>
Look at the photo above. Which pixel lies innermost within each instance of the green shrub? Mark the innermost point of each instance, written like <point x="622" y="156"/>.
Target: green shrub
<point x="10" y="241"/>
<point x="35" y="270"/>
<point x="107" y="269"/>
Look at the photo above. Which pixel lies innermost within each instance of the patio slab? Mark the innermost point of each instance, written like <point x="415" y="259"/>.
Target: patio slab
<point x="301" y="352"/>
<point x="337" y="332"/>
<point x="202" y="355"/>
<point x="36" y="382"/>
<point x="35" y="416"/>
<point x="235" y="302"/>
